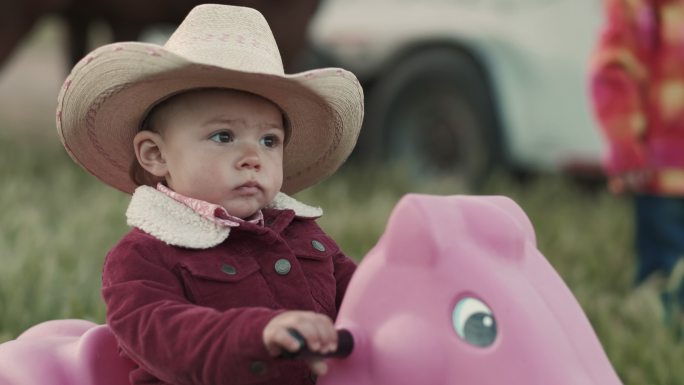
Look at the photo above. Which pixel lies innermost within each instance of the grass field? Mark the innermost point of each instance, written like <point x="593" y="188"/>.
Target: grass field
<point x="58" y="222"/>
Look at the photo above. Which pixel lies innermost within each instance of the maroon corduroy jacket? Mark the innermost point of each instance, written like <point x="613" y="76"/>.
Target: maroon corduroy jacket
<point x="194" y="315"/>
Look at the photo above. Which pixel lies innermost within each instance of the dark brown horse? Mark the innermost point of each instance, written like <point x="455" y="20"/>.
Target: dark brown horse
<point x="128" y="18"/>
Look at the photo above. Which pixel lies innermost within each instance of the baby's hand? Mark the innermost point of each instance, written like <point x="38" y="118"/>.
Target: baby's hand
<point x="317" y="329"/>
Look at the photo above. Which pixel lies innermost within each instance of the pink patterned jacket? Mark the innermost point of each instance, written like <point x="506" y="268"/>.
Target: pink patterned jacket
<point x="637" y="79"/>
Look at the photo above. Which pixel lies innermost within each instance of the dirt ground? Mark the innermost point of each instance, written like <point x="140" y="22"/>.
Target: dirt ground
<point x="30" y="82"/>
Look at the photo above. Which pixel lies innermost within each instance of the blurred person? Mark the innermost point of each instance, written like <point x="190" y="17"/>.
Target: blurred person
<point x="637" y="80"/>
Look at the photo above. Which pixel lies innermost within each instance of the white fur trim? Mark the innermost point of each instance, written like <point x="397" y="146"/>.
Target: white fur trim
<point x="285" y="202"/>
<point x="172" y="222"/>
<point x="176" y="224"/>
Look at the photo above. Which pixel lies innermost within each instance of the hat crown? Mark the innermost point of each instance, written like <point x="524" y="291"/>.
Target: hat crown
<point x="231" y="37"/>
<point x="110" y="91"/>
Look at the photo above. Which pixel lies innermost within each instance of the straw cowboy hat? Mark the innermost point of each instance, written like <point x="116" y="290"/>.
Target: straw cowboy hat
<point x="109" y="92"/>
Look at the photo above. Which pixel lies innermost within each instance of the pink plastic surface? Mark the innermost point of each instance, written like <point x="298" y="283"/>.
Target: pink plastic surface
<point x="438" y="251"/>
<point x="404" y="308"/>
<point x="63" y="352"/>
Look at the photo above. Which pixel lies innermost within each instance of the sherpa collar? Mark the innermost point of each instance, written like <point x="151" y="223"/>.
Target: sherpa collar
<point x="176" y="224"/>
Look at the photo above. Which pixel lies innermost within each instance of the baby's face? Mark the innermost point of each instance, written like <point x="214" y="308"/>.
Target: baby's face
<point x="225" y="147"/>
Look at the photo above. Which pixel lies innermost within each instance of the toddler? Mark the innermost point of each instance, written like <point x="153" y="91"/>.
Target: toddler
<point x="209" y="135"/>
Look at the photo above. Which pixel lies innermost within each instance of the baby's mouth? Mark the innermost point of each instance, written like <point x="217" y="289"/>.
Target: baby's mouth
<point x="249" y="188"/>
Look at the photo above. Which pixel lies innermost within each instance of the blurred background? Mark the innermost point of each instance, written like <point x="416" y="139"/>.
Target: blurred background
<point x="462" y="96"/>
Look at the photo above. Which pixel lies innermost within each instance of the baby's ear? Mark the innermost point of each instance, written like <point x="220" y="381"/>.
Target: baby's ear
<point x="148" y="150"/>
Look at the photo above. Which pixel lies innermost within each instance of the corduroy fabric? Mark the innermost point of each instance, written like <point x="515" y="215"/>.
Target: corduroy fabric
<point x="196" y="315"/>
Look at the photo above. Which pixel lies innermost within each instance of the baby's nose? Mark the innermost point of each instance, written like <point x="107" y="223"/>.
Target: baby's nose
<point x="249" y="157"/>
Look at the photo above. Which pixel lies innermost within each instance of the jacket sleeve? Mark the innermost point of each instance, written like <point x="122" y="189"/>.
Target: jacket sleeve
<point x="344" y="269"/>
<point x="172" y="339"/>
<point x="619" y="81"/>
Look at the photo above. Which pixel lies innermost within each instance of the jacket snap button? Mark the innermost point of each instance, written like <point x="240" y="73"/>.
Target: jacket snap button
<point x="318" y="245"/>
<point x="257" y="367"/>
<point x="228" y="269"/>
<point x="282" y="266"/>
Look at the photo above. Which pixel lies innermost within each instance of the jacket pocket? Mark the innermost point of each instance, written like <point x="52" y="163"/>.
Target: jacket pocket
<point x="314" y="246"/>
<point x="315" y="253"/>
<point x="225" y="283"/>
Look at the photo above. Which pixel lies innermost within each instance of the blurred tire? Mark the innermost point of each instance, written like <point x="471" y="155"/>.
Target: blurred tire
<point x="433" y="114"/>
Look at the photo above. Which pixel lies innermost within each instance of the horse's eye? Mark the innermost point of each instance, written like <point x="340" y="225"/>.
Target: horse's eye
<point x="474" y="322"/>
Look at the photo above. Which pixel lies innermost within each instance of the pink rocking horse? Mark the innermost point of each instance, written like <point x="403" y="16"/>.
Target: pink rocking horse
<point x="455" y="292"/>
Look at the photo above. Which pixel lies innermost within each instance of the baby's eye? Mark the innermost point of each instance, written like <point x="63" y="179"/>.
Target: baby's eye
<point x="222" y="137"/>
<point x="270" y="141"/>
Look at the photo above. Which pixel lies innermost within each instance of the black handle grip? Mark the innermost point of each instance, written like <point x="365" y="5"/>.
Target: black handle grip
<point x="345" y="346"/>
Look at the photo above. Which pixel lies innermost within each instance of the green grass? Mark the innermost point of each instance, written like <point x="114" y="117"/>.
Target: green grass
<point x="58" y="223"/>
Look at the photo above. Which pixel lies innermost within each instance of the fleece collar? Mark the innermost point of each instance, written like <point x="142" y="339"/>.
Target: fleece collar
<point x="176" y="224"/>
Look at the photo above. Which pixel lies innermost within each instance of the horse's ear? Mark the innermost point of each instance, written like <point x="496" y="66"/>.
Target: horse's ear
<point x="421" y="227"/>
<point x="509" y="208"/>
<point x="496" y="224"/>
<point x="410" y="236"/>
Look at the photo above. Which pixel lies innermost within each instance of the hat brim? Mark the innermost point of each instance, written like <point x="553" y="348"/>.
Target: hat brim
<point x="108" y="93"/>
